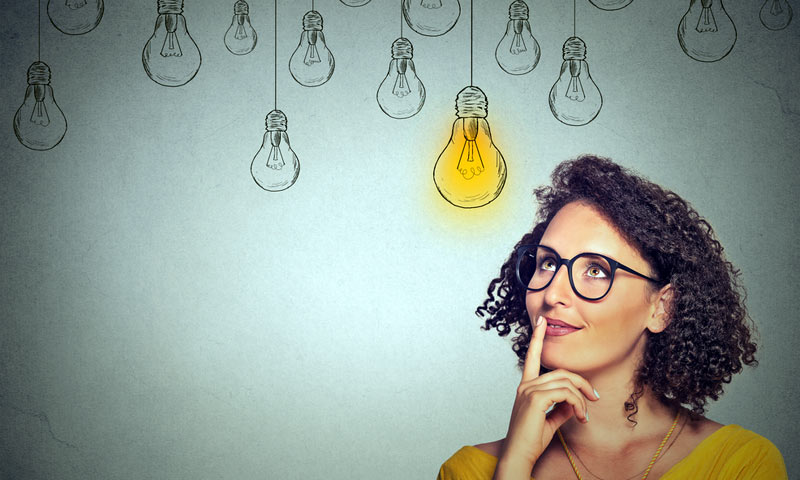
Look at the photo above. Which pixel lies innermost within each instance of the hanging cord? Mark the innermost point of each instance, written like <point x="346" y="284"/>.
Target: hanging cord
<point x="39" y="16"/>
<point x="312" y="5"/>
<point x="275" y="56"/>
<point x="573" y="19"/>
<point x="470" y="42"/>
<point x="401" y="18"/>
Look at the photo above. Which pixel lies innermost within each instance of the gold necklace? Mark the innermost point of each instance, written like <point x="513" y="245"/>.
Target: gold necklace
<point x="652" y="461"/>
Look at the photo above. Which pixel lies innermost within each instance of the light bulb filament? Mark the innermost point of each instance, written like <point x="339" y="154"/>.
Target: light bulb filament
<point x="470" y="152"/>
<point x="39" y="115"/>
<point x="275" y="157"/>
<point x="431" y="3"/>
<point x="776" y="8"/>
<point x="171" y="47"/>
<point x="401" y="87"/>
<point x="312" y="54"/>
<point x="706" y="22"/>
<point x="75" y="4"/>
<point x="518" y="43"/>
<point x="575" y="86"/>
<point x="240" y="31"/>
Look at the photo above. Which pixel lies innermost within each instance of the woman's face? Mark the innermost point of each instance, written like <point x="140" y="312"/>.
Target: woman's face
<point x="610" y="331"/>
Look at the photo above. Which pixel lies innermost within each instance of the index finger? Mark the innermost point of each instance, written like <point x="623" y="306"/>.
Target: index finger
<point x="534" y="355"/>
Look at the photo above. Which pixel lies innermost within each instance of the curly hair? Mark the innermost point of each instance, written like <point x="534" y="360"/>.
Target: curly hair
<point x="708" y="335"/>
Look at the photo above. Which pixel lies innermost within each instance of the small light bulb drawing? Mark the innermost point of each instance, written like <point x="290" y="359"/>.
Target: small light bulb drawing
<point x="39" y="123"/>
<point x="401" y="94"/>
<point x="241" y="38"/>
<point x="355" y="3"/>
<point x="575" y="99"/>
<point x="312" y="63"/>
<point x="275" y="167"/>
<point x="471" y="171"/>
<point x="610" y="4"/>
<point x="706" y="33"/>
<point x="431" y="17"/>
<point x="775" y="14"/>
<point x="75" y="17"/>
<point x="170" y="57"/>
<point x="518" y="51"/>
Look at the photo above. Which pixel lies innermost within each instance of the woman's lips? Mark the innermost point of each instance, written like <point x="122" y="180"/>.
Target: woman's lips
<point x="558" y="328"/>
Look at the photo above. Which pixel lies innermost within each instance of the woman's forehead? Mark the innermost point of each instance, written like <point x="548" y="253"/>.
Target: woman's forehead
<point x="579" y="227"/>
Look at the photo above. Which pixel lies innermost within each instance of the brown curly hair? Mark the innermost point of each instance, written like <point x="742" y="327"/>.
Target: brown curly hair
<point x="709" y="332"/>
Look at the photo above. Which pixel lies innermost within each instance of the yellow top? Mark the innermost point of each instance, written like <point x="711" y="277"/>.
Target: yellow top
<point x="730" y="452"/>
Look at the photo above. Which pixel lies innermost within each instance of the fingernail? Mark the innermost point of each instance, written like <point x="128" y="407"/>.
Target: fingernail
<point x="539" y="320"/>
<point x="595" y="393"/>
<point x="587" y="415"/>
<point x="550" y="408"/>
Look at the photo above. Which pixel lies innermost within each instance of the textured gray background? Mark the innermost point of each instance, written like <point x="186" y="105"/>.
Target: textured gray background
<point x="163" y="317"/>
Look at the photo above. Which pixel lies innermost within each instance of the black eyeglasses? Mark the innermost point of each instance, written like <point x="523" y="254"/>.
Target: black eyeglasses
<point x="590" y="274"/>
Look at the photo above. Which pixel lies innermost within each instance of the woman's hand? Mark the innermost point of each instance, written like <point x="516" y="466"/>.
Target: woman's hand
<point x="531" y="429"/>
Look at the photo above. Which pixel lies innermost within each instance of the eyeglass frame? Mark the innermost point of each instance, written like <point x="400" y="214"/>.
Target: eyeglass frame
<point x="613" y="265"/>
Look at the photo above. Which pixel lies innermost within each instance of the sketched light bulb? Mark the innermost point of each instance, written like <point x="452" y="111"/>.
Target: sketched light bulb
<point x="610" y="4"/>
<point x="75" y="17"/>
<point x="170" y="57"/>
<point x="776" y="14"/>
<point x="275" y="166"/>
<point x="241" y="38"/>
<point x="471" y="171"/>
<point x="401" y="94"/>
<point x="706" y="32"/>
<point x="312" y="63"/>
<point x="518" y="52"/>
<point x="575" y="98"/>
<point x="355" y="3"/>
<point x="39" y="124"/>
<point x="431" y="17"/>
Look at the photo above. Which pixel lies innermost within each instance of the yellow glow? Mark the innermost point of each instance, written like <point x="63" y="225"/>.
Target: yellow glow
<point x="470" y="172"/>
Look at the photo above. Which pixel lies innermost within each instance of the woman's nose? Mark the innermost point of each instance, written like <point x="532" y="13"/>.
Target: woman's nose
<point x="559" y="291"/>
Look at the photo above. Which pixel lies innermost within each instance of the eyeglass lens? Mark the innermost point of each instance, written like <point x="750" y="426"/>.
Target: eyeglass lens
<point x="591" y="274"/>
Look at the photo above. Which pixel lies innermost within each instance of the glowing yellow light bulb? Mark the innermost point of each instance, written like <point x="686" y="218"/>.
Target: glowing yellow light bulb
<point x="471" y="171"/>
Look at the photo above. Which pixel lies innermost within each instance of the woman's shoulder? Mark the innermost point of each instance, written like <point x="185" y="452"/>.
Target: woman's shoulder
<point x="470" y="463"/>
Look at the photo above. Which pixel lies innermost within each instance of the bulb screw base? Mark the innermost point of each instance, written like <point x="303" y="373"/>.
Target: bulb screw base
<point x="518" y="10"/>
<point x="574" y="49"/>
<point x="312" y="20"/>
<point x="402" y="48"/>
<point x="471" y="103"/>
<point x="241" y="8"/>
<point x="38" y="74"/>
<point x="276" y="121"/>
<point x="170" y="6"/>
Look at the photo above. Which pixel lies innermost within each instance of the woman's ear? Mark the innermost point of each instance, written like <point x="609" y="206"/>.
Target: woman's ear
<point x="659" y="318"/>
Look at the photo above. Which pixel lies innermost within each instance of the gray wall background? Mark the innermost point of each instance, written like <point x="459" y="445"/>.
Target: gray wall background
<point x="163" y="317"/>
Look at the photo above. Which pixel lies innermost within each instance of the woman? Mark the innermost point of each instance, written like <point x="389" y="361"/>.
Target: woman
<point x="645" y="319"/>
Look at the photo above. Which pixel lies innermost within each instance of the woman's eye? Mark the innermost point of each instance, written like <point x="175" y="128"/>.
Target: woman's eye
<point x="596" y="272"/>
<point x="548" y="264"/>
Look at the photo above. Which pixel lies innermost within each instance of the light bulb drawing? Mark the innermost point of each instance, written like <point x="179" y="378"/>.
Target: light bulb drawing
<point x="355" y="3"/>
<point x="575" y="99"/>
<point x="39" y="123"/>
<point x="275" y="166"/>
<point x="775" y="14"/>
<point x="75" y="17"/>
<point x="610" y="4"/>
<point x="170" y="57"/>
<point x="401" y="94"/>
<point x="312" y="62"/>
<point x="706" y="33"/>
<point x="518" y="51"/>
<point x="431" y="17"/>
<point x="471" y="171"/>
<point x="241" y="37"/>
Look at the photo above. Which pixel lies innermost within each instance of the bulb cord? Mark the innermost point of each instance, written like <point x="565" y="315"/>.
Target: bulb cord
<point x="574" y="29"/>
<point x="470" y="42"/>
<point x="401" y="18"/>
<point x="275" y="56"/>
<point x="39" y="17"/>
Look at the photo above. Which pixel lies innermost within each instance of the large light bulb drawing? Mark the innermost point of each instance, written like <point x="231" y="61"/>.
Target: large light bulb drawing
<point x="75" y="17"/>
<point x="471" y="171"/>
<point x="241" y="38"/>
<point x="518" y="51"/>
<point x="275" y="167"/>
<point x="575" y="99"/>
<point x="610" y="4"/>
<point x="401" y="94"/>
<point x="39" y="123"/>
<point x="706" y="32"/>
<point x="776" y="14"/>
<point x="431" y="17"/>
<point x="170" y="57"/>
<point x="312" y="63"/>
<point x="355" y="3"/>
